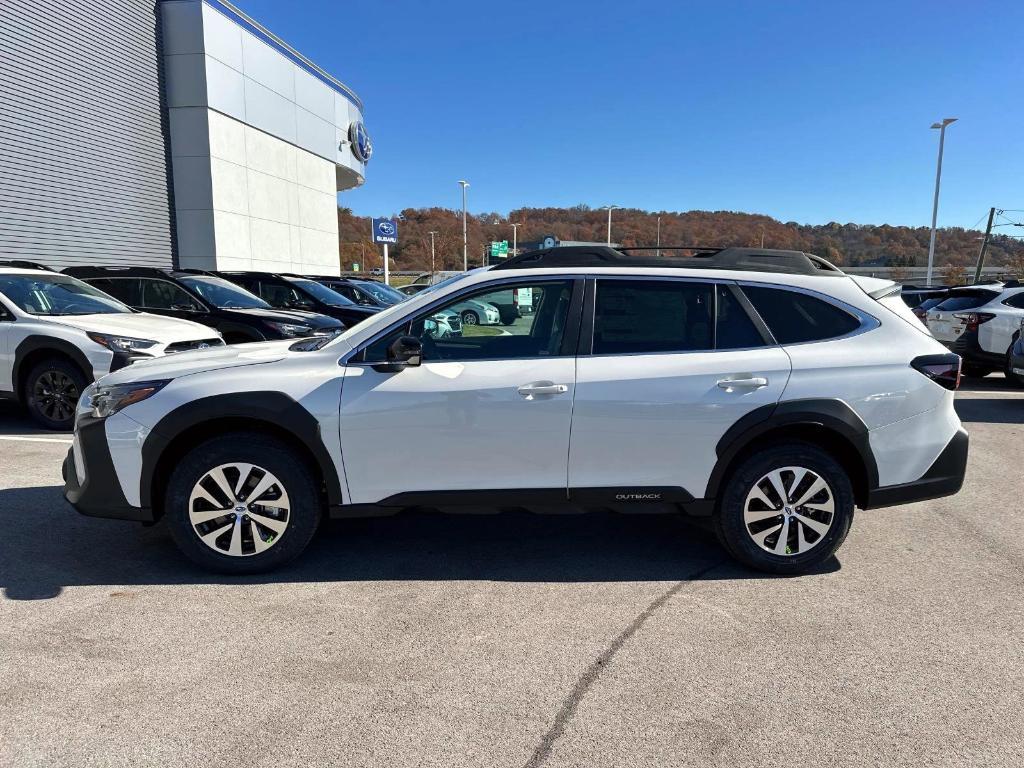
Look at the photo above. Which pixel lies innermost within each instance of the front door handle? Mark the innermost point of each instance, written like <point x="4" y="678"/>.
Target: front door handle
<point x="742" y="382"/>
<point x="531" y="390"/>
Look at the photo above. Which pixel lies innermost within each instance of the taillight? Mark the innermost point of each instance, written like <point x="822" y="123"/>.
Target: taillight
<point x="973" y="319"/>
<point x="515" y="297"/>
<point x="943" y="369"/>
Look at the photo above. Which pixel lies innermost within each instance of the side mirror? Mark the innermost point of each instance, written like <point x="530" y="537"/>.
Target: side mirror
<point x="406" y="351"/>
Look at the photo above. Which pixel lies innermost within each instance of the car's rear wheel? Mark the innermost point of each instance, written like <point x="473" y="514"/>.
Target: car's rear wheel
<point x="52" y="391"/>
<point x="786" y="509"/>
<point x="242" y="503"/>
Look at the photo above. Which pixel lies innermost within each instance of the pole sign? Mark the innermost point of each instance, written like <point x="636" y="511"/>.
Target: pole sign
<point x="385" y="231"/>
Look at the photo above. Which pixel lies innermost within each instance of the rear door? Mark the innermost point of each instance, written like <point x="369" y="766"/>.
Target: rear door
<point x="667" y="366"/>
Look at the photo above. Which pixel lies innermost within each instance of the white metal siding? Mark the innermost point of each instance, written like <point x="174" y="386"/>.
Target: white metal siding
<point x="83" y="154"/>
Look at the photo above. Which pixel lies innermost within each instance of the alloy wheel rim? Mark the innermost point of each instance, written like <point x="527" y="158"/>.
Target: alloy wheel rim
<point x="239" y="509"/>
<point x="789" y="511"/>
<point x="469" y="319"/>
<point x="56" y="395"/>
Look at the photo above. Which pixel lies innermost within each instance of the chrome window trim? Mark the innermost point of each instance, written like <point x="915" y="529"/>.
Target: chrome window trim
<point x="454" y="296"/>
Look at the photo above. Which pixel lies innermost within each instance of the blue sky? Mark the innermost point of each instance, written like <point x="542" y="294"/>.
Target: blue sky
<point x="806" y="111"/>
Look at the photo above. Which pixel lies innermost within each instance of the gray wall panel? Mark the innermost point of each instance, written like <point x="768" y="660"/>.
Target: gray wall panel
<point x="83" y="153"/>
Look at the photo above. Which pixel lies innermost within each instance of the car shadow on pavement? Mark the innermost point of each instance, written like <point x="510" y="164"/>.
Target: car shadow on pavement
<point x="15" y="421"/>
<point x="995" y="410"/>
<point x="47" y="546"/>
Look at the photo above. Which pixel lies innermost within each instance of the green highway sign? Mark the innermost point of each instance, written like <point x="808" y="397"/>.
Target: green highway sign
<point x="499" y="249"/>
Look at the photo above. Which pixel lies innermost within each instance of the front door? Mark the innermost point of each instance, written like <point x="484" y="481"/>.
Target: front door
<point x="674" y="364"/>
<point x="488" y="409"/>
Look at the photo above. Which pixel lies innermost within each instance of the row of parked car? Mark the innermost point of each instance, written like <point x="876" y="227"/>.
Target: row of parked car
<point x="61" y="330"/>
<point x="982" y="323"/>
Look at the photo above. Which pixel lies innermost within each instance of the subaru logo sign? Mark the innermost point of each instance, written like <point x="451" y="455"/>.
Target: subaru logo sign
<point x="385" y="231"/>
<point x="360" y="142"/>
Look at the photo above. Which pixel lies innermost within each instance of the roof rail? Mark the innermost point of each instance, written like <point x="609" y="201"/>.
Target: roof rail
<point x="703" y="257"/>
<point x="128" y="271"/>
<point x="22" y="264"/>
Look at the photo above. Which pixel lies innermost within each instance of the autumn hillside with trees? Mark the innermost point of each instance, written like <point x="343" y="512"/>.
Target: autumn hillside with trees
<point x="844" y="244"/>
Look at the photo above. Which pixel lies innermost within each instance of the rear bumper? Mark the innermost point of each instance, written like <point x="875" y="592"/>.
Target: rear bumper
<point x="969" y="348"/>
<point x="98" y="494"/>
<point x="944" y="478"/>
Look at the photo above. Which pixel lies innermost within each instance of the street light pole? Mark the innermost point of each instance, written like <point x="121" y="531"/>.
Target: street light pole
<point x="610" y="208"/>
<point x="465" y="241"/>
<point x="515" y="228"/>
<point x="659" y="237"/>
<point x="935" y="204"/>
<point x="432" y="255"/>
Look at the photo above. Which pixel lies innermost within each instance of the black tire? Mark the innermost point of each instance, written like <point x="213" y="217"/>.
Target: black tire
<point x="51" y="393"/>
<point x="263" y="452"/>
<point x="973" y="371"/>
<point x="238" y="338"/>
<point x="469" y="317"/>
<point x="729" y="520"/>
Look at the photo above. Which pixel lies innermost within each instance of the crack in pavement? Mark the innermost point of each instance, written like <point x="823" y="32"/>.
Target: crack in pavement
<point x="592" y="672"/>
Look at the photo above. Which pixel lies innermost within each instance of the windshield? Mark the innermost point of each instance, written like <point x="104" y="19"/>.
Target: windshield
<point x="382" y="293"/>
<point x="323" y="293"/>
<point x="53" y="295"/>
<point x="966" y="300"/>
<point x="223" y="294"/>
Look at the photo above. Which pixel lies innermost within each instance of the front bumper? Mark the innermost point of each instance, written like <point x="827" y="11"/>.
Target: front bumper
<point x="1017" y="357"/>
<point x="99" y="493"/>
<point x="944" y="478"/>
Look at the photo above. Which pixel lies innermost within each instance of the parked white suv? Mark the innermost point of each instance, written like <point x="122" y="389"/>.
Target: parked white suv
<point x="57" y="334"/>
<point x="980" y="323"/>
<point x="766" y="390"/>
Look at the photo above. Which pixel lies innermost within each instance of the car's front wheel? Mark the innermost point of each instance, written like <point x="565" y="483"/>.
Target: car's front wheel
<point x="51" y="393"/>
<point x="786" y="509"/>
<point x="1014" y="378"/>
<point x="242" y="503"/>
<point x="470" y="317"/>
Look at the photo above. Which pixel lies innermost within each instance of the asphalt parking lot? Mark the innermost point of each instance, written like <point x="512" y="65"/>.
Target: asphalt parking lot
<point x="518" y="640"/>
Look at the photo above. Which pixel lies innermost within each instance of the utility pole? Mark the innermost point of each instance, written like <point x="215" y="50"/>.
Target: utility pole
<point x="659" y="237"/>
<point x="935" y="204"/>
<point x="984" y="246"/>
<point x="465" y="241"/>
<point x="515" y="228"/>
<point x="432" y="256"/>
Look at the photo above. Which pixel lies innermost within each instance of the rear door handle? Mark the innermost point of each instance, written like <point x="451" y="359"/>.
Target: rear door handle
<point x="742" y="382"/>
<point x="529" y="391"/>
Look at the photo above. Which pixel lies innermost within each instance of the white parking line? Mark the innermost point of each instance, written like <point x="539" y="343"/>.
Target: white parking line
<point x="36" y="439"/>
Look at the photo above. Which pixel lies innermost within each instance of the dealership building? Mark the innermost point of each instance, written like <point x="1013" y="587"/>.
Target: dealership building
<point x="178" y="133"/>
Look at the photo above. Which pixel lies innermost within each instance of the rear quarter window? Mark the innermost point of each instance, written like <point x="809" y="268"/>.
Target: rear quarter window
<point x="795" y="317"/>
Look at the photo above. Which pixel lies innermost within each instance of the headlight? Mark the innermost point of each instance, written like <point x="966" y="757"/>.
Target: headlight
<point x="121" y="343"/>
<point x="290" y="330"/>
<point x="108" y="400"/>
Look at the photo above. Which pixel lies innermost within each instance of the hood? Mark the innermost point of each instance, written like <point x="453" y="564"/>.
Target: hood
<point x="312" y="319"/>
<point x="139" y="325"/>
<point x="200" y="361"/>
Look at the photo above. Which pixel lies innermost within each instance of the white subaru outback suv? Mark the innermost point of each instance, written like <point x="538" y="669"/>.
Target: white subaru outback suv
<point x="57" y="334"/>
<point x="765" y="390"/>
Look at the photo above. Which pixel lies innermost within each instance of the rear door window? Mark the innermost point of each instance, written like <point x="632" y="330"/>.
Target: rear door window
<point x="795" y="317"/>
<point x="124" y="289"/>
